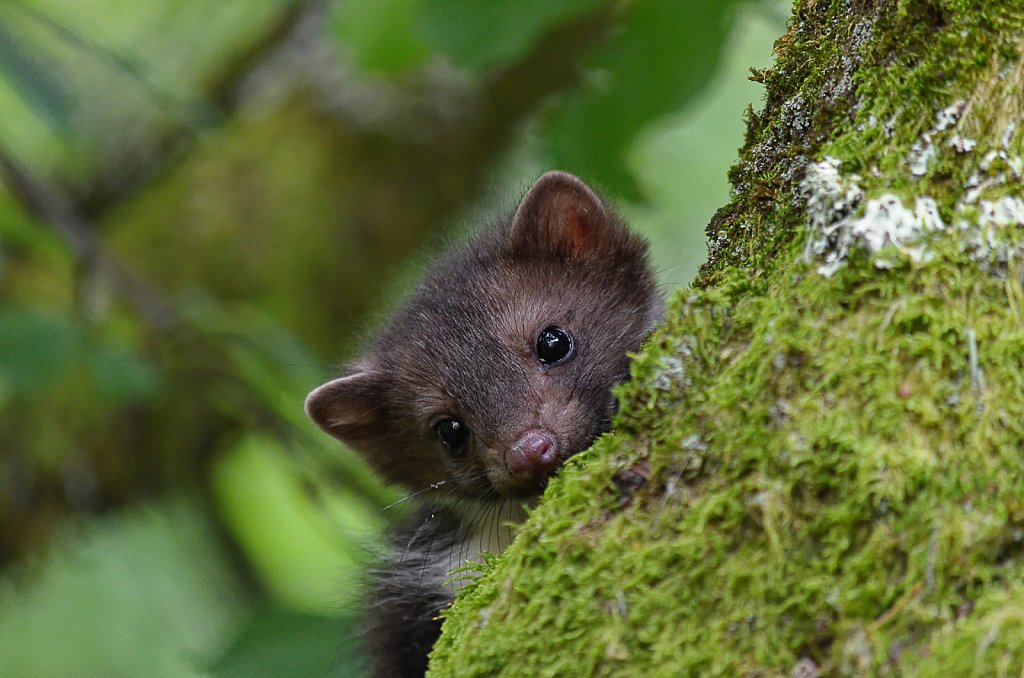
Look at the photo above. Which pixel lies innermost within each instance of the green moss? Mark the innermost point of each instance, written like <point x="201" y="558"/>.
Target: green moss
<point x="838" y="488"/>
<point x="825" y="470"/>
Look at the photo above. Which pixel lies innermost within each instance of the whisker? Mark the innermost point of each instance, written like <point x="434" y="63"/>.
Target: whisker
<point x="433" y="486"/>
<point x="412" y="540"/>
<point x="430" y="545"/>
<point x="497" y="523"/>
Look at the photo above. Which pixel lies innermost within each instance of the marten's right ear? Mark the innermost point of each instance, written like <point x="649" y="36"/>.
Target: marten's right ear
<point x="561" y="215"/>
<point x="349" y="408"/>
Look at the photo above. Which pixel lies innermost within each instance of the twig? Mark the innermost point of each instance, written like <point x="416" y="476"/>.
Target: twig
<point x="52" y="206"/>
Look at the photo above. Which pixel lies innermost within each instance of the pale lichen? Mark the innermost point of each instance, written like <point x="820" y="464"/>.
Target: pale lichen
<point x="923" y="152"/>
<point x="837" y="225"/>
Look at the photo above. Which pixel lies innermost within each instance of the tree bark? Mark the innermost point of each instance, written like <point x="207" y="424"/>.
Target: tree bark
<point x="818" y="465"/>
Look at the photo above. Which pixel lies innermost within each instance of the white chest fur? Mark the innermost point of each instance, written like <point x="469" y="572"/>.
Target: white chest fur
<point x="488" y="527"/>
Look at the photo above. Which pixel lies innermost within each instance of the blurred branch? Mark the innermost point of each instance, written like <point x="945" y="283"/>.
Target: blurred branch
<point x="215" y="104"/>
<point x="49" y="204"/>
<point x="221" y="89"/>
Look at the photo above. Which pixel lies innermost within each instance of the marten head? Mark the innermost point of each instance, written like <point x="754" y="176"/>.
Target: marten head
<point x="500" y="365"/>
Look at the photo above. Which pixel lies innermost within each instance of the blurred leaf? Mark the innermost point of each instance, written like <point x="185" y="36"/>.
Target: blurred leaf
<point x="284" y="644"/>
<point x="37" y="347"/>
<point x="38" y="84"/>
<point x="123" y="377"/>
<point x="695" y="147"/>
<point x="145" y="593"/>
<point x="19" y="230"/>
<point x="305" y="558"/>
<point x="481" y="34"/>
<point x="380" y="35"/>
<point x="665" y="54"/>
<point x="279" y="370"/>
<point x="144" y="69"/>
<point x="271" y="362"/>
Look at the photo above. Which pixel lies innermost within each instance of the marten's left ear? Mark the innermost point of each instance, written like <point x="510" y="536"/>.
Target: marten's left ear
<point x="349" y="408"/>
<point x="560" y="214"/>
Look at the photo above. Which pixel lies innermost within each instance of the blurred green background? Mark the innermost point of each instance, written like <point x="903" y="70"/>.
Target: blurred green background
<point x="204" y="207"/>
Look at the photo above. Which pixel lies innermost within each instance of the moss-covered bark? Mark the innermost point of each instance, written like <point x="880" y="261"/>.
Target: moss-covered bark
<point x="819" y="465"/>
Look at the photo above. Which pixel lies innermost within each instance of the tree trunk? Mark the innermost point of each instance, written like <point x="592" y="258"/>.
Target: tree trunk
<point x="818" y="466"/>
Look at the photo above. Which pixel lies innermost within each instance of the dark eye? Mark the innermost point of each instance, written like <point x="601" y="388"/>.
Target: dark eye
<point x="452" y="432"/>
<point x="554" y="345"/>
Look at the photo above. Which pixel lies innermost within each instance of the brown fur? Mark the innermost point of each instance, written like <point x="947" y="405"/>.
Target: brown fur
<point x="463" y="347"/>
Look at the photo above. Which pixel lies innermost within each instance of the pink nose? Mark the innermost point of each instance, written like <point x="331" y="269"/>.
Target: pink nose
<point x="533" y="456"/>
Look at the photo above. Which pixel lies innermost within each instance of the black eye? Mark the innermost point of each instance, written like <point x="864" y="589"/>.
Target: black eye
<point x="452" y="432"/>
<point x="554" y="345"/>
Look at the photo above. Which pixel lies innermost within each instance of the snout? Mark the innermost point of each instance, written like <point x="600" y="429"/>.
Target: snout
<point x="533" y="456"/>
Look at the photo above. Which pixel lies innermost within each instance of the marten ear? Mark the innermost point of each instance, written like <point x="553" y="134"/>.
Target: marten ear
<point x="559" y="214"/>
<point x="349" y="408"/>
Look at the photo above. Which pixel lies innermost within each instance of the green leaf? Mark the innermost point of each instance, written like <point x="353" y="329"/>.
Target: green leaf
<point x="666" y="52"/>
<point x="37" y="347"/>
<point x="20" y="230"/>
<point x="278" y="369"/>
<point x="481" y="34"/>
<point x="709" y="129"/>
<point x="307" y="557"/>
<point x="280" y="643"/>
<point x="121" y="376"/>
<point x="380" y="36"/>
<point x="145" y="593"/>
<point x="37" y="82"/>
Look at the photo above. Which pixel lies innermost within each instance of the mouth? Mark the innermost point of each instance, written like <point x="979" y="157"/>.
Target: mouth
<point x="525" y="490"/>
